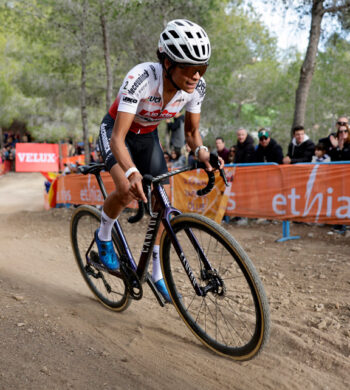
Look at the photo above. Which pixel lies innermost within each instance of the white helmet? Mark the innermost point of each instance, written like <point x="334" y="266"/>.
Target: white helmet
<point x="185" y="42"/>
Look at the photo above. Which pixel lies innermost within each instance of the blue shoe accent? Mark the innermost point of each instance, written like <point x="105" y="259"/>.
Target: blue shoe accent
<point x="106" y="253"/>
<point x="163" y="290"/>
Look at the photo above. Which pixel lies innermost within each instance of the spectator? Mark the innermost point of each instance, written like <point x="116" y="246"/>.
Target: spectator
<point x="221" y="150"/>
<point x="329" y="141"/>
<point x="176" y="127"/>
<point x="341" y="152"/>
<point x="174" y="156"/>
<point x="341" y="145"/>
<point x="186" y="158"/>
<point x="71" y="149"/>
<point x="301" y="149"/>
<point x="231" y="154"/>
<point x="320" y="154"/>
<point x="167" y="159"/>
<point x="268" y="149"/>
<point x="66" y="170"/>
<point x="245" y="147"/>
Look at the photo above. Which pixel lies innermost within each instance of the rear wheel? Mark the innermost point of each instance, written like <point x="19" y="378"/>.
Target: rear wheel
<point x="232" y="316"/>
<point x="109" y="289"/>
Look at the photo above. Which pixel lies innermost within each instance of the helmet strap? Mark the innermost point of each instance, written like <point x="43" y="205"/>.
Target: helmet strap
<point x="168" y="74"/>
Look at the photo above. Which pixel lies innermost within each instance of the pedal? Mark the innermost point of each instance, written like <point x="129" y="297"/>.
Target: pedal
<point x="95" y="257"/>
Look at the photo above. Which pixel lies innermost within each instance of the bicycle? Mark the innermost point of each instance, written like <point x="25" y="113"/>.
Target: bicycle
<point x="211" y="280"/>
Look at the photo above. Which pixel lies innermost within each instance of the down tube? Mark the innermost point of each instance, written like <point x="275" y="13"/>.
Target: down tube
<point x="180" y="252"/>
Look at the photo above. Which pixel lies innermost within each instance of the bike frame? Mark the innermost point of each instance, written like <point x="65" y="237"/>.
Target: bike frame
<point x="162" y="214"/>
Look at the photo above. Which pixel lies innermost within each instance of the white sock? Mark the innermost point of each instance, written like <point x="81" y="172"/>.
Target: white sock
<point x="105" y="232"/>
<point x="156" y="269"/>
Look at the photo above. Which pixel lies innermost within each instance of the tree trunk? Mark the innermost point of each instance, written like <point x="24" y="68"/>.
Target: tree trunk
<point x="106" y="51"/>
<point x="309" y="63"/>
<point x="84" y="114"/>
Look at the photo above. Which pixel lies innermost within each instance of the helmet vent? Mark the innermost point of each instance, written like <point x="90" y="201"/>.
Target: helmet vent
<point x="178" y="23"/>
<point x="187" y="52"/>
<point x="174" y="50"/>
<point x="203" y="49"/>
<point x="165" y="36"/>
<point x="174" y="33"/>
<point x="195" y="47"/>
<point x="189" y="34"/>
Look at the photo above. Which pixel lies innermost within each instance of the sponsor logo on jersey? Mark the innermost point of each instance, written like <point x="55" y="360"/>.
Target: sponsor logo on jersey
<point x="154" y="99"/>
<point x="201" y="88"/>
<point x="138" y="82"/>
<point x="154" y="71"/>
<point x="104" y="138"/>
<point x="179" y="100"/>
<point x="157" y="114"/>
<point x="127" y="99"/>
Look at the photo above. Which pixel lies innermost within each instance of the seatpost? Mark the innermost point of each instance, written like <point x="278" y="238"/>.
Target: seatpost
<point x="100" y="183"/>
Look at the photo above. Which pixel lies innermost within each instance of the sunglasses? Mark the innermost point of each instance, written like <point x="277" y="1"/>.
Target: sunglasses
<point x="343" y="131"/>
<point x="191" y="70"/>
<point x="342" y="123"/>
<point x="262" y="139"/>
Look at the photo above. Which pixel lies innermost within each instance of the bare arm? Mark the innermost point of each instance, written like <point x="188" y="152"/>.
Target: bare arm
<point x="121" y="127"/>
<point x="194" y="139"/>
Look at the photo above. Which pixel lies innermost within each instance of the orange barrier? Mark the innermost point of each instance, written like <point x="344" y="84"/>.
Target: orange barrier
<point x="81" y="189"/>
<point x="308" y="193"/>
<point x="184" y="197"/>
<point x="73" y="160"/>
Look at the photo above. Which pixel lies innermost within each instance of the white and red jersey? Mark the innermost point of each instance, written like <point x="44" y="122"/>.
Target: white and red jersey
<point x="142" y="94"/>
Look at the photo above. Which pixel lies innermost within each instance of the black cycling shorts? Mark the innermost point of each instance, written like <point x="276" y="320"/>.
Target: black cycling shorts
<point x="144" y="149"/>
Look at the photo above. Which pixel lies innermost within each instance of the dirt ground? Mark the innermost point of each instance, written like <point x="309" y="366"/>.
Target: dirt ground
<point x="55" y="335"/>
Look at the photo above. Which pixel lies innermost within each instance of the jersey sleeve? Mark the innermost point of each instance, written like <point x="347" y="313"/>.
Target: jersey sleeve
<point x="135" y="86"/>
<point x="194" y="105"/>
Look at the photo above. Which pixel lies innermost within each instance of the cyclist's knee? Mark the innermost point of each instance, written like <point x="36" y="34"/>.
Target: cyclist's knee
<point x="122" y="196"/>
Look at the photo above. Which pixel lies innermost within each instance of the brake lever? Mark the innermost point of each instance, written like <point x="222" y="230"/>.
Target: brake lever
<point x="223" y="175"/>
<point x="215" y="163"/>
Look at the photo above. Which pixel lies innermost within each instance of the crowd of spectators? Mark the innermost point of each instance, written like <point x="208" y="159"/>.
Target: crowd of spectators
<point x="8" y="149"/>
<point x="334" y="147"/>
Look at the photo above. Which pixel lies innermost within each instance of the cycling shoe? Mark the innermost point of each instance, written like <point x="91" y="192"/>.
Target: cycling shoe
<point x="163" y="290"/>
<point x="106" y="253"/>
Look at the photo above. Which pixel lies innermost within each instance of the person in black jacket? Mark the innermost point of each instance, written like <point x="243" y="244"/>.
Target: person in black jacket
<point x="330" y="141"/>
<point x="245" y="149"/>
<point x="268" y="150"/>
<point x="301" y="149"/>
<point x="341" y="149"/>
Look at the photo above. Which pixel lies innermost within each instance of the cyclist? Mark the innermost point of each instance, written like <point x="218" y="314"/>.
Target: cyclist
<point x="128" y="139"/>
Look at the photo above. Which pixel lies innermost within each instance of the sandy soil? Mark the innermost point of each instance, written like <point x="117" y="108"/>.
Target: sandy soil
<point x="55" y="335"/>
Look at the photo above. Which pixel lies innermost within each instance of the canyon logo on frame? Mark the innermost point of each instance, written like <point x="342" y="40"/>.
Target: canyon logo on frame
<point x="32" y="157"/>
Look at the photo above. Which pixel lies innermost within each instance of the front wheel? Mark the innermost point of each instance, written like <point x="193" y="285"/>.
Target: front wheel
<point x="110" y="290"/>
<point x="231" y="316"/>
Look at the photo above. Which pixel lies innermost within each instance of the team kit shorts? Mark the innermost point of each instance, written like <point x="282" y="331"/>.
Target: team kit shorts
<point x="144" y="149"/>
